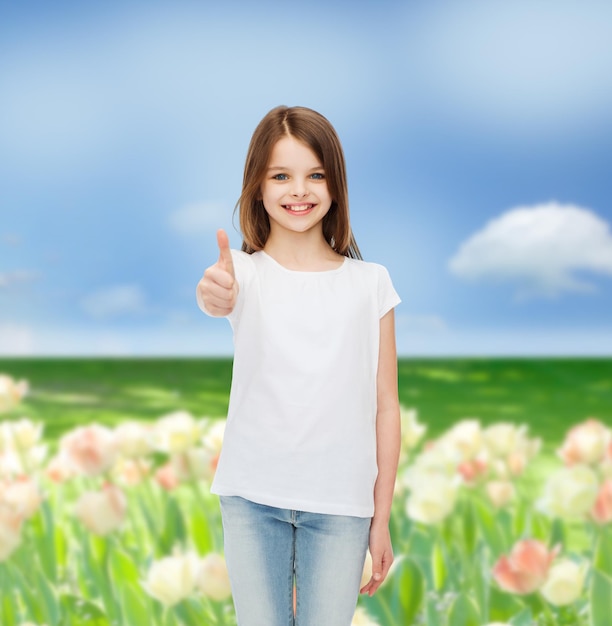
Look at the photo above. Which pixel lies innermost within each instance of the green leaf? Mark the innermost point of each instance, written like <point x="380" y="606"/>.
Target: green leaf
<point x="122" y="568"/>
<point x="174" y="528"/>
<point x="557" y="534"/>
<point x="491" y="532"/>
<point x="463" y="612"/>
<point x="200" y="530"/>
<point x="600" y="599"/>
<point x="411" y="589"/>
<point x="48" y="598"/>
<point x="438" y="566"/>
<point x="135" y="603"/>
<point x="81" y="612"/>
<point x="469" y="526"/>
<point x="502" y="606"/>
<point x="524" y="618"/>
<point x="602" y="557"/>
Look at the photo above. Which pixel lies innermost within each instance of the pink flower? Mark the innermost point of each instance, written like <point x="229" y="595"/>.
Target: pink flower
<point x="472" y="470"/>
<point x="166" y="477"/>
<point x="90" y="449"/>
<point x="602" y="509"/>
<point x="10" y="531"/>
<point x="22" y="496"/>
<point x="585" y="443"/>
<point x="525" y="570"/>
<point x="102" y="512"/>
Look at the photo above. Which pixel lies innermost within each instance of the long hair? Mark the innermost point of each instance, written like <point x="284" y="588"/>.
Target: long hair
<point x="314" y="130"/>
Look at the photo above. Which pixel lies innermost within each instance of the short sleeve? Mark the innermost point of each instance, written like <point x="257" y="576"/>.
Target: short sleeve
<point x="388" y="298"/>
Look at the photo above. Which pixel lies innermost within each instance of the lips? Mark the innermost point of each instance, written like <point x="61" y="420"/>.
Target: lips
<point x="298" y="208"/>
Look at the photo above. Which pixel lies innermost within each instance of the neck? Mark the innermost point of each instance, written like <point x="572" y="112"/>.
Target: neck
<point x="302" y="251"/>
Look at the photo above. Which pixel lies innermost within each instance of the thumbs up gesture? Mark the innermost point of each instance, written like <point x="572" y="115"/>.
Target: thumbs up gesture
<point x="218" y="288"/>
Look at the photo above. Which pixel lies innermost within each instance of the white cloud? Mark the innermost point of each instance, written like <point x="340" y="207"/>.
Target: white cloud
<point x="199" y="219"/>
<point x="115" y="301"/>
<point x="16" y="277"/>
<point x="541" y="248"/>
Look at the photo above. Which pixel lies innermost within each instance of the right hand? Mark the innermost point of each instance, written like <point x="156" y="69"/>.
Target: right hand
<point x="218" y="288"/>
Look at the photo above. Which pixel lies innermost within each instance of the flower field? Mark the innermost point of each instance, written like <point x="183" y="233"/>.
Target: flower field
<point x="502" y="512"/>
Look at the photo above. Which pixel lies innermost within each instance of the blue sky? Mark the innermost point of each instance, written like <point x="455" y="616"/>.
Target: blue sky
<point x="478" y="138"/>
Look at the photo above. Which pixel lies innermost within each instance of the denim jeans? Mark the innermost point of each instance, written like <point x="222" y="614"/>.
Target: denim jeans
<point x="267" y="548"/>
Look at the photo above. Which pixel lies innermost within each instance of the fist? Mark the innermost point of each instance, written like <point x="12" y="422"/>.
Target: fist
<point x="218" y="288"/>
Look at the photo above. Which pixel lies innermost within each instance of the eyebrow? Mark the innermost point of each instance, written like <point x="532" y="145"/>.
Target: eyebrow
<point x="280" y="167"/>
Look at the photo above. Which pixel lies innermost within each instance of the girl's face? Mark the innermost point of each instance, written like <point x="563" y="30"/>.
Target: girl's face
<point x="294" y="191"/>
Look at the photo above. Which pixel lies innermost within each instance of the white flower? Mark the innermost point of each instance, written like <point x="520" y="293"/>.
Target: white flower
<point x="22" y="434"/>
<point x="361" y="618"/>
<point x="412" y="429"/>
<point x="134" y="439"/>
<point x="11" y="392"/>
<point x="101" y="512"/>
<point x="177" y="432"/>
<point x="564" y="582"/>
<point x="172" y="578"/>
<point x="571" y="492"/>
<point x="432" y="500"/>
<point x="22" y="496"/>
<point x="214" y="432"/>
<point x="464" y="439"/>
<point x="212" y="578"/>
<point x="500" y="492"/>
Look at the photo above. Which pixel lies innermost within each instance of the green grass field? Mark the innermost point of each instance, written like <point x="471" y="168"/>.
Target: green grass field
<point x="548" y="394"/>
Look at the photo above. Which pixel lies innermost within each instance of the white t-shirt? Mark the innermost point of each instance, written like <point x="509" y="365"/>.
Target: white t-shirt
<point x="301" y="424"/>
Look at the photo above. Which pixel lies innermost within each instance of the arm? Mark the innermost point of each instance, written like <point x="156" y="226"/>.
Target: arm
<point x="217" y="290"/>
<point x="387" y="453"/>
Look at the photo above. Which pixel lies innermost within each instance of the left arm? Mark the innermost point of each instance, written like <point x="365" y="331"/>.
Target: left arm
<point x="387" y="453"/>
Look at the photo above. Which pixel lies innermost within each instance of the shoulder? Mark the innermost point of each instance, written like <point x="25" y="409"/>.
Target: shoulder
<point x="368" y="268"/>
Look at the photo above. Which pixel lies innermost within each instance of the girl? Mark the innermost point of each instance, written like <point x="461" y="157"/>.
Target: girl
<point x="311" y="446"/>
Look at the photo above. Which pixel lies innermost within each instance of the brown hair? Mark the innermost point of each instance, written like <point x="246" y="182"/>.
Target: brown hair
<point x="319" y="135"/>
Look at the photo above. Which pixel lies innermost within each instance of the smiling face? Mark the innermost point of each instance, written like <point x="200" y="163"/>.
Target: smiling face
<point x="294" y="190"/>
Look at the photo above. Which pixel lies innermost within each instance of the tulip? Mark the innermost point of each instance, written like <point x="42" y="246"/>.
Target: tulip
<point x="564" y="583"/>
<point x="602" y="509"/>
<point x="22" y="435"/>
<point x="134" y="439"/>
<point x="214" y="432"/>
<point x="166" y="477"/>
<point x="11" y="392"/>
<point x="433" y="500"/>
<point x="23" y="497"/>
<point x="102" y="512"/>
<point x="176" y="433"/>
<point x="472" y="470"/>
<point x="10" y="531"/>
<point x="571" y="492"/>
<point x="171" y="579"/>
<point x="463" y="440"/>
<point x="526" y="569"/>
<point x="212" y="578"/>
<point x="361" y="618"/>
<point x="412" y="429"/>
<point x="500" y="492"/>
<point x="60" y="469"/>
<point x="90" y="449"/>
<point x="131" y="472"/>
<point x="503" y="438"/>
<point x="585" y="443"/>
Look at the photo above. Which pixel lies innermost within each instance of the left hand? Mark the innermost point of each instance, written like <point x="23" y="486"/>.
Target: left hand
<point x="382" y="556"/>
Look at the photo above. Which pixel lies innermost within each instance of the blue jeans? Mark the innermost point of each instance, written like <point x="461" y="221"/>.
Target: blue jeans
<point x="267" y="548"/>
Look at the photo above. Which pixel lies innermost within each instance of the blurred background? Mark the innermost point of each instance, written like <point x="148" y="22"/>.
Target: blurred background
<point x="478" y="138"/>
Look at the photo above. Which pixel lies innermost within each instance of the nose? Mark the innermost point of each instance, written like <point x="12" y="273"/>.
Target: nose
<point x="300" y="189"/>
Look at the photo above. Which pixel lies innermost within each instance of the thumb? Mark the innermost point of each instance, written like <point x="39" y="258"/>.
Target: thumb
<point x="225" y="256"/>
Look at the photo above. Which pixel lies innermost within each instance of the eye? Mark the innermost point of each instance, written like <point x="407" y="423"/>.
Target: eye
<point x="280" y="177"/>
<point x="318" y="176"/>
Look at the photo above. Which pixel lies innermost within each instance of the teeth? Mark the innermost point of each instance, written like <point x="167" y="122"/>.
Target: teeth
<point x="297" y="209"/>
